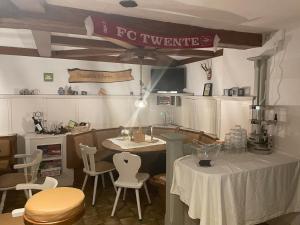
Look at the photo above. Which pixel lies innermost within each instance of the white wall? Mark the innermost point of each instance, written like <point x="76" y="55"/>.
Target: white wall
<point x="284" y="81"/>
<point x="230" y="70"/>
<point x="17" y="72"/>
<point x="102" y="112"/>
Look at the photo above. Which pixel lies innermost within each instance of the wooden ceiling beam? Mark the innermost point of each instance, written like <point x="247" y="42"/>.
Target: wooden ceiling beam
<point x="84" y="53"/>
<point x="190" y="60"/>
<point x="84" y="43"/>
<point x="188" y="52"/>
<point x="137" y="61"/>
<point x="35" y="6"/>
<point x="70" y="20"/>
<point x="42" y="25"/>
<point x="197" y="59"/>
<point x="219" y="53"/>
<point x="113" y="59"/>
<point x="19" y="51"/>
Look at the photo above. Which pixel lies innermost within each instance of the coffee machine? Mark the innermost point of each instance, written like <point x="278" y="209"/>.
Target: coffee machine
<point x="263" y="116"/>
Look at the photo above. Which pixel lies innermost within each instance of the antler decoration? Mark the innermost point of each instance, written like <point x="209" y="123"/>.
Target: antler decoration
<point x="207" y="68"/>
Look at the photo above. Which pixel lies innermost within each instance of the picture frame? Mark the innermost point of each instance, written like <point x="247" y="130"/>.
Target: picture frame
<point x="207" y="91"/>
<point x="48" y="77"/>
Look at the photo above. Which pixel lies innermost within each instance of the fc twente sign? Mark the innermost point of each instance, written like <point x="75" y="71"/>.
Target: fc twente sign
<point x="100" y="26"/>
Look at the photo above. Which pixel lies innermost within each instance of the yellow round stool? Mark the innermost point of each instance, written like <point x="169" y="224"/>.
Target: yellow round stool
<point x="59" y="206"/>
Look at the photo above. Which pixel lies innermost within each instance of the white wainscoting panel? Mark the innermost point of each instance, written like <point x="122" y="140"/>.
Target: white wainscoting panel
<point x="5" y="125"/>
<point x="21" y="111"/>
<point x="61" y="110"/>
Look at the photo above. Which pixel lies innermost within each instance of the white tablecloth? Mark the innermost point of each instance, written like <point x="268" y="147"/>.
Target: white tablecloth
<point x="242" y="189"/>
<point x="127" y="144"/>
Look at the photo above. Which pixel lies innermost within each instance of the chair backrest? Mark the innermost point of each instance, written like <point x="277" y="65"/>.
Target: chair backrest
<point x="127" y="165"/>
<point x="88" y="157"/>
<point x="33" y="166"/>
<point x="49" y="183"/>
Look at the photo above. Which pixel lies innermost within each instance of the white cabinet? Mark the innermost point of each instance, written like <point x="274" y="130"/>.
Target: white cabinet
<point x="187" y="109"/>
<point x="199" y="113"/>
<point x="54" y="156"/>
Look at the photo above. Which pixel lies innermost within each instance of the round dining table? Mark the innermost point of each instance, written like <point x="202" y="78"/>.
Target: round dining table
<point x="109" y="145"/>
<point x="153" y="156"/>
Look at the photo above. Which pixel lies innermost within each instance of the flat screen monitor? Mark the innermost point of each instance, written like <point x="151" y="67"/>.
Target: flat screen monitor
<point x="171" y="79"/>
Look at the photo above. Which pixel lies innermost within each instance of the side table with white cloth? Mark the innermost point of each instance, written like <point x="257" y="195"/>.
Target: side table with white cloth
<point x="240" y="189"/>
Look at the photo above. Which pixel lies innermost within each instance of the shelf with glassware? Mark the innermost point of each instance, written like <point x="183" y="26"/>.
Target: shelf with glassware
<point x="54" y="156"/>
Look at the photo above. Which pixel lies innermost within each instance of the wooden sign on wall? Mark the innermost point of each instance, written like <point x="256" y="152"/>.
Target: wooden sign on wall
<point x="93" y="76"/>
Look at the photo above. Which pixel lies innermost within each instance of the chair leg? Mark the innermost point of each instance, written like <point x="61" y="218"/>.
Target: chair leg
<point x="95" y="190"/>
<point x="26" y="194"/>
<point x="124" y="194"/>
<point x="103" y="181"/>
<point x="112" y="180"/>
<point x="116" y="201"/>
<point x="84" y="182"/>
<point x="2" y="201"/>
<point x="29" y="193"/>
<point x="137" y="195"/>
<point x="147" y="193"/>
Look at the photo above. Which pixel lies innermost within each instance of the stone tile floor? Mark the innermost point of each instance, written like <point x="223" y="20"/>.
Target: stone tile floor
<point x="126" y="213"/>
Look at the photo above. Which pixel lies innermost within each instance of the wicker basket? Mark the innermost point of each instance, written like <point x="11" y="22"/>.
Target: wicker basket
<point x="81" y="129"/>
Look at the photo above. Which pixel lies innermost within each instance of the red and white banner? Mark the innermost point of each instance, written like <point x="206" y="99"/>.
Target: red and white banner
<point x="100" y="26"/>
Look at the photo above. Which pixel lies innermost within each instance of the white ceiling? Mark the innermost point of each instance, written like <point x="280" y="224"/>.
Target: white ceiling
<point x="242" y="15"/>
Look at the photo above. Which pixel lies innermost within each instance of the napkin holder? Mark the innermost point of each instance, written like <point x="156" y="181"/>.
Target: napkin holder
<point x="138" y="136"/>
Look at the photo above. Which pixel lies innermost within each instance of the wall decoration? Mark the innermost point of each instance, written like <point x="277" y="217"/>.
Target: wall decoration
<point x="26" y="91"/>
<point x="235" y="91"/>
<point x="61" y="91"/>
<point x="102" y="91"/>
<point x="48" y="77"/>
<point x="103" y="27"/>
<point x="226" y="92"/>
<point x="207" y="69"/>
<point x="93" y="76"/>
<point x="207" y="91"/>
<point x="247" y="91"/>
<point x="241" y="92"/>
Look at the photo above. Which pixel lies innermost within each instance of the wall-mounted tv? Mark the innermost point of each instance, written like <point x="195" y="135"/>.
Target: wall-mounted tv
<point x="170" y="79"/>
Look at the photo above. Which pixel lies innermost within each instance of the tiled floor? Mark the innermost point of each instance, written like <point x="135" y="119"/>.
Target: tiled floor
<point x="126" y="213"/>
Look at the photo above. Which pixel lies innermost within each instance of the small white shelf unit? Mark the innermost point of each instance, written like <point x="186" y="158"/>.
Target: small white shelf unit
<point x="54" y="163"/>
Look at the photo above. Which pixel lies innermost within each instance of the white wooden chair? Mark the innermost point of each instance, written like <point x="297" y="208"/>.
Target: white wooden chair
<point x="10" y="218"/>
<point x="128" y="165"/>
<point x="94" y="169"/>
<point x="49" y="183"/>
<point x="30" y="165"/>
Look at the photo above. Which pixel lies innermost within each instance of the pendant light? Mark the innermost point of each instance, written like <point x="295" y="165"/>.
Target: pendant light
<point x="141" y="102"/>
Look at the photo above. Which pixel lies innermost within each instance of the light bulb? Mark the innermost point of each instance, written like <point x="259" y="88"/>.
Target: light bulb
<point x="140" y="103"/>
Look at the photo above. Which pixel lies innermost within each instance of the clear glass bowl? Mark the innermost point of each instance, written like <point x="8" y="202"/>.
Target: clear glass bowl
<point x="205" y="154"/>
